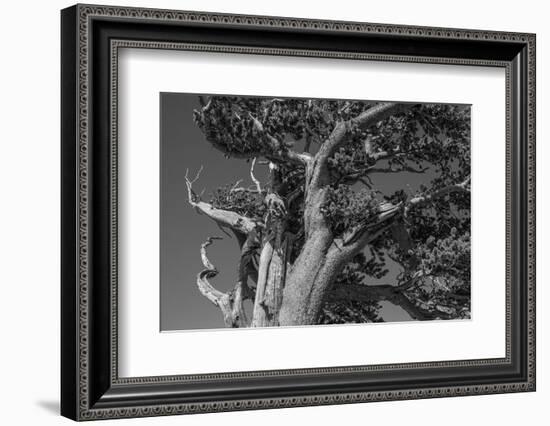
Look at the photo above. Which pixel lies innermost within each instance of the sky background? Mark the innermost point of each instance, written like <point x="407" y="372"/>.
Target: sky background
<point x="182" y="230"/>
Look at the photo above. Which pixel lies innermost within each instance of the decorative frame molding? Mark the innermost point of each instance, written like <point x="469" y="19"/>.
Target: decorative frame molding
<point x="91" y="37"/>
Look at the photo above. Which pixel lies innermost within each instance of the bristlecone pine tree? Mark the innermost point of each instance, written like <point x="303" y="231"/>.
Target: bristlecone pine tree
<point x="313" y="235"/>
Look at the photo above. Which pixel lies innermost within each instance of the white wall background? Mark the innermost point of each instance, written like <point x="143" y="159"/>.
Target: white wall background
<point x="29" y="211"/>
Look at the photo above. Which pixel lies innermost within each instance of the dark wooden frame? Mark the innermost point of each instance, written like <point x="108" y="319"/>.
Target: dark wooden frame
<point x="90" y="386"/>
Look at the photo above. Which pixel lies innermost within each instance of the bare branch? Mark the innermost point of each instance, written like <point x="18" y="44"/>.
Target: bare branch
<point x="224" y="218"/>
<point x="235" y="185"/>
<point x="230" y="304"/>
<point x="207" y="290"/>
<point x="426" y="198"/>
<point x="400" y="169"/>
<point x="256" y="181"/>
<point x="241" y="189"/>
<point x="189" y="182"/>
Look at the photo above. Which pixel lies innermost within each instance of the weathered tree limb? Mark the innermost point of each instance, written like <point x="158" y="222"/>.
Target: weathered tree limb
<point x="247" y="268"/>
<point x="224" y="218"/>
<point x="361" y="235"/>
<point x="423" y="199"/>
<point x="259" y="316"/>
<point x="230" y="304"/>
<point x="205" y="287"/>
<point x="273" y="295"/>
<point x="377" y="113"/>
<point x="253" y="177"/>
<point x="390" y="155"/>
<point x="238" y="314"/>
<point x="272" y="264"/>
<point x="242" y="291"/>
<point x="218" y="298"/>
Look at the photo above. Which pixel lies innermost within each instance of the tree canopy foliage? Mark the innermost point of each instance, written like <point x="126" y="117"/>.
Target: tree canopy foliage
<point x="326" y="229"/>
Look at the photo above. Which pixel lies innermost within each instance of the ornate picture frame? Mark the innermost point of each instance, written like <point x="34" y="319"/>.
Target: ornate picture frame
<point x="91" y="38"/>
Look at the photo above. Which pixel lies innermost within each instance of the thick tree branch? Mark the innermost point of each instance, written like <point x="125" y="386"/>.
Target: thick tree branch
<point x="224" y="218"/>
<point x="385" y="155"/>
<point x="218" y="298"/>
<point x="369" y="117"/>
<point x="277" y="151"/>
<point x="423" y="199"/>
<point x="230" y="304"/>
<point x="380" y="293"/>
<point x="243" y="189"/>
<point x="204" y="285"/>
<point x="377" y="113"/>
<point x="340" y="136"/>
<point x="399" y="169"/>
<point x="361" y="235"/>
<point x="362" y="174"/>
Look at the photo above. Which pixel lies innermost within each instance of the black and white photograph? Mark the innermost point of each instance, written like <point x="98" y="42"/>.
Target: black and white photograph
<point x="278" y="211"/>
<point x="275" y="213"/>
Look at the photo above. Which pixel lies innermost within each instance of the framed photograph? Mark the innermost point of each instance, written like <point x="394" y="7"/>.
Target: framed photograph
<point x="263" y="212"/>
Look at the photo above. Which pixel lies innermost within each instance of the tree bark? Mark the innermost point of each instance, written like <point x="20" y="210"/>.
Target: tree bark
<point x="271" y="276"/>
<point x="321" y="259"/>
<point x="231" y="303"/>
<point x="273" y="256"/>
<point x="309" y="279"/>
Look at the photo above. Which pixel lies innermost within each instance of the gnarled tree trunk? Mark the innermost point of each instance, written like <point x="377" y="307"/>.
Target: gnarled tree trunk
<point x="309" y="280"/>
